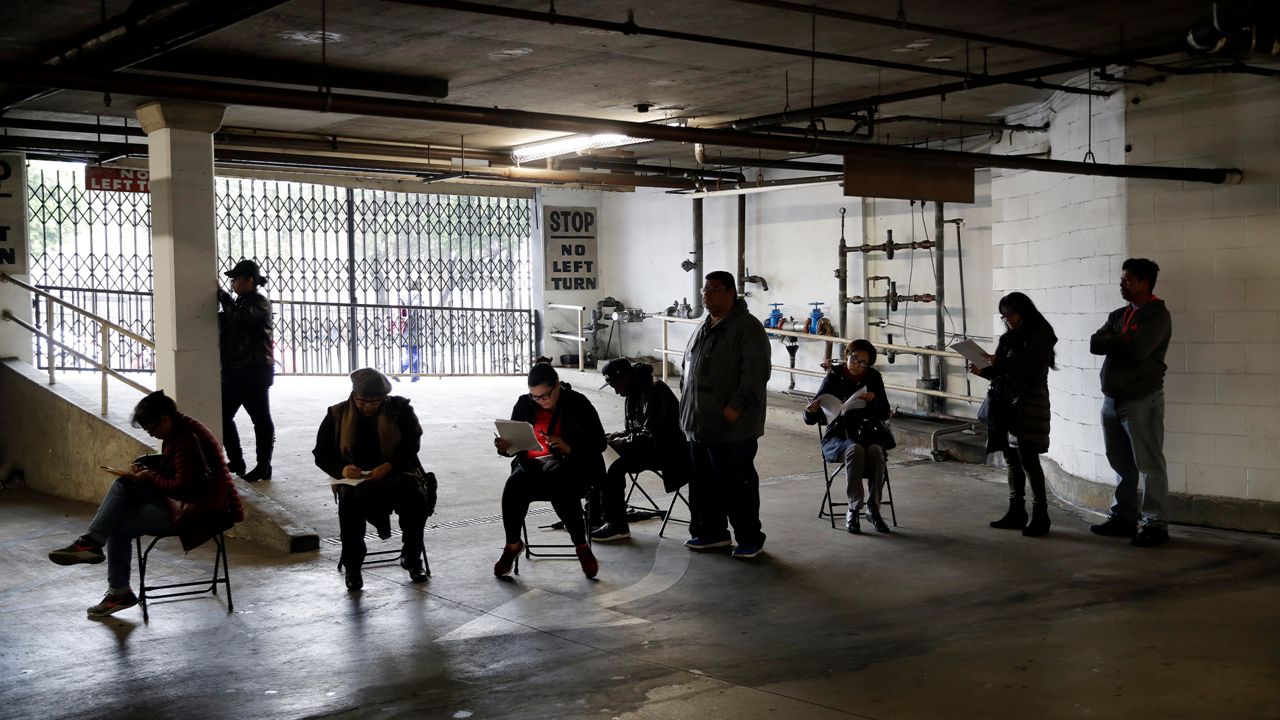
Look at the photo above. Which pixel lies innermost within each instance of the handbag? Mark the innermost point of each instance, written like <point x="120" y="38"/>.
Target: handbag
<point x="874" y="431"/>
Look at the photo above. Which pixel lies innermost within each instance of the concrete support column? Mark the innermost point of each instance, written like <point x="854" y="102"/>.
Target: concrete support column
<point x="184" y="254"/>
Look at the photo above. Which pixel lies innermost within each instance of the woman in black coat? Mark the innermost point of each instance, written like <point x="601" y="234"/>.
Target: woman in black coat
<point x="569" y="460"/>
<point x="851" y="437"/>
<point x="1019" y="408"/>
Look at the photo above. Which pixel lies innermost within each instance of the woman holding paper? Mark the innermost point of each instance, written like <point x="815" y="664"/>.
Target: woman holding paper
<point x="1019" y="408"/>
<point x="569" y="457"/>
<point x="852" y="402"/>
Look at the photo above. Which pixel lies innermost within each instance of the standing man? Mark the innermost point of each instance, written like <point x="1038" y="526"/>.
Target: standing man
<point x="244" y="338"/>
<point x="651" y="440"/>
<point x="1134" y="340"/>
<point x="722" y="406"/>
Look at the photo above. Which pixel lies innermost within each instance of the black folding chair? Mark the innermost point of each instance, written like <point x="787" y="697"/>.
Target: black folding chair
<point x="653" y="505"/>
<point x="555" y="551"/>
<point x="221" y="576"/>
<point x="828" y="506"/>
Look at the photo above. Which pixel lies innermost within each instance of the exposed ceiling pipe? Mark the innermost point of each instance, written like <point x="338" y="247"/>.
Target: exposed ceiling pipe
<point x="284" y="72"/>
<point x="700" y="154"/>
<point x="760" y="186"/>
<point x="134" y="37"/>
<point x="233" y="94"/>
<point x="975" y="124"/>
<point x="978" y="81"/>
<point x="630" y="27"/>
<point x="632" y="167"/>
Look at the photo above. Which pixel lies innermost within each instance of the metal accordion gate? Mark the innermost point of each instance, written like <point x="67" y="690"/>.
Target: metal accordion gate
<point x="406" y="283"/>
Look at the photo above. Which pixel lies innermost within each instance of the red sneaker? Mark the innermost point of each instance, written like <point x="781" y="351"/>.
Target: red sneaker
<point x="113" y="603"/>
<point x="589" y="564"/>
<point x="83" y="550"/>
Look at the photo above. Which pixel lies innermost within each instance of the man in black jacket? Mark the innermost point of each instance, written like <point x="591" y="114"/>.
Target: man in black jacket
<point x="1134" y="341"/>
<point x="244" y="339"/>
<point x="652" y="440"/>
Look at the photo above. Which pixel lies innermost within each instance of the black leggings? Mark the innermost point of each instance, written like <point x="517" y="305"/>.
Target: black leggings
<point x="534" y="481"/>
<point x="1024" y="464"/>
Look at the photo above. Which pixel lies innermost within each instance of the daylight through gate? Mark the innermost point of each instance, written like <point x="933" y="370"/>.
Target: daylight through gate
<point x="437" y="284"/>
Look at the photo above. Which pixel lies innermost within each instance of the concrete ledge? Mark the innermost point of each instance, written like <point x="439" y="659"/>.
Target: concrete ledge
<point x="58" y="439"/>
<point x="1200" y="510"/>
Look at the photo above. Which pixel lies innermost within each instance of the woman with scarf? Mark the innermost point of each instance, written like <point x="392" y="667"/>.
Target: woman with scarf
<point x="370" y="442"/>
<point x="1018" y="404"/>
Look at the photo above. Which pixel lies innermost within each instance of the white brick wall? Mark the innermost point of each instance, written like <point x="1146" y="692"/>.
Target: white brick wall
<point x="1061" y="239"/>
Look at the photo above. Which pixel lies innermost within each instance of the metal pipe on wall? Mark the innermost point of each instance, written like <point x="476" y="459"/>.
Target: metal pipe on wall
<point x="313" y="101"/>
<point x="742" y="246"/>
<point x="939" y="229"/>
<point x="697" y="259"/>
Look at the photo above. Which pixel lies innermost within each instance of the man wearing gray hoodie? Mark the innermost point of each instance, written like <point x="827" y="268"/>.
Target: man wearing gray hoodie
<point x="722" y="404"/>
<point x="1134" y="340"/>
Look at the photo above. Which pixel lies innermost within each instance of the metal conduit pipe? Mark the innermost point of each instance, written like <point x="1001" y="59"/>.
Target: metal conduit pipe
<point x="630" y="27"/>
<point x="977" y="81"/>
<point x="697" y="259"/>
<point x="248" y="95"/>
<point x="700" y="154"/>
<point x="939" y="305"/>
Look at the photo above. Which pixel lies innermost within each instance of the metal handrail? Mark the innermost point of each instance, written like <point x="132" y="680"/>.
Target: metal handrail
<point x="666" y="350"/>
<point x="105" y="328"/>
<point x="579" y="338"/>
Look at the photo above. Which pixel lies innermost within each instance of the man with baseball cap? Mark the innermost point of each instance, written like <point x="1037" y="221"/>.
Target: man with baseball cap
<point x="652" y="440"/>
<point x="244" y="340"/>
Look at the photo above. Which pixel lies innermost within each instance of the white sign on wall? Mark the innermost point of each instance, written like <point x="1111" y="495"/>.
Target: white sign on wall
<point x="570" y="234"/>
<point x="13" y="214"/>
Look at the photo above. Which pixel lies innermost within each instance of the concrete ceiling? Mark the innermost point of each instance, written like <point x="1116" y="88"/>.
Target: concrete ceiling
<point x="520" y="64"/>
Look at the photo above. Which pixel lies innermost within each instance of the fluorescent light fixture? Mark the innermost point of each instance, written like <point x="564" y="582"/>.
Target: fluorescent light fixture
<point x="572" y="144"/>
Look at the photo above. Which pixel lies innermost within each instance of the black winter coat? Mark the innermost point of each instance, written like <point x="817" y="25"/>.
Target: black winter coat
<point x="652" y="415"/>
<point x="1020" y="381"/>
<point x="840" y="385"/>
<point x="244" y="331"/>
<point x="575" y="419"/>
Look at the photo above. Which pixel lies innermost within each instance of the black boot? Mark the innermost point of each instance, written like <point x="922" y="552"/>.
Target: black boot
<point x="259" y="472"/>
<point x="1039" y="524"/>
<point x="1015" y="519"/>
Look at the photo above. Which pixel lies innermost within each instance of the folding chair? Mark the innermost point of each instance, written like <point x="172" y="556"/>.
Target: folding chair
<point x="653" y="505"/>
<point x="552" y="547"/>
<point x="828" y="506"/>
<point x="221" y="575"/>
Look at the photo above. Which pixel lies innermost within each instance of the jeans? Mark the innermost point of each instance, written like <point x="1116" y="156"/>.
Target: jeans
<point x="374" y="503"/>
<point x="410" y="361"/>
<point x="534" y="480"/>
<point x="725" y="489"/>
<point x="1134" y="434"/>
<point x="859" y="462"/>
<point x="607" y="500"/>
<point x="129" y="510"/>
<point x="1023" y="464"/>
<point x="248" y="387"/>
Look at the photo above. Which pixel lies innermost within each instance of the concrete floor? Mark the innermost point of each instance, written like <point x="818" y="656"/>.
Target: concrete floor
<point x="943" y="618"/>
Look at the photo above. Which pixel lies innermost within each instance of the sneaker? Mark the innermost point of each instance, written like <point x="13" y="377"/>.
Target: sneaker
<point x="1150" y="535"/>
<point x="1115" y="527"/>
<point x="416" y="573"/>
<point x="355" y="581"/>
<point x="609" y="532"/>
<point x="878" y="521"/>
<point x="113" y="603"/>
<point x="698" y="544"/>
<point x="590" y="566"/>
<point x="746" y="552"/>
<point x="507" y="560"/>
<point x="84" y="550"/>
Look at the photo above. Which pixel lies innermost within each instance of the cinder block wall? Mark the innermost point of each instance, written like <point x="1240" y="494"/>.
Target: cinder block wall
<point x="1062" y="240"/>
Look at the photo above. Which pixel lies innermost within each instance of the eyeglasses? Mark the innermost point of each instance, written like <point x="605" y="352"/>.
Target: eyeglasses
<point x="544" y="396"/>
<point x="369" y="402"/>
<point x="709" y="290"/>
<point x="857" y="362"/>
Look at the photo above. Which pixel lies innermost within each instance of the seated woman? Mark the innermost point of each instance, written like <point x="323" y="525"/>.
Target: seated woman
<point x="570" y="459"/>
<point x="373" y="440"/>
<point x="854" y="437"/>
<point x="185" y="491"/>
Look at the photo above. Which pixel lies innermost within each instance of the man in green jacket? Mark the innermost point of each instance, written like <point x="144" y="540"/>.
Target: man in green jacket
<point x="722" y="404"/>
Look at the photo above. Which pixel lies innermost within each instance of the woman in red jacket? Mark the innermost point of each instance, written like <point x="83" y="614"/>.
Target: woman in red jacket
<point x="185" y="491"/>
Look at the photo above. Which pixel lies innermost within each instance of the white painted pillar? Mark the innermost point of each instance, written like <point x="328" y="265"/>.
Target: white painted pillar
<point x="184" y="254"/>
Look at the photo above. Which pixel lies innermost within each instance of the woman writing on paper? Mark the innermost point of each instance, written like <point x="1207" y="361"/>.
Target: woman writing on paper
<point x="370" y="443"/>
<point x="857" y="436"/>
<point x="1018" y="405"/>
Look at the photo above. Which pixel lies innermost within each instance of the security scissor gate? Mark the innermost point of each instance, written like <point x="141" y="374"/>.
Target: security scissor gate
<point x="359" y="277"/>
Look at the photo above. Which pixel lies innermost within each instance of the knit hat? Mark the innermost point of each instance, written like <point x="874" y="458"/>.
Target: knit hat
<point x="370" y="383"/>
